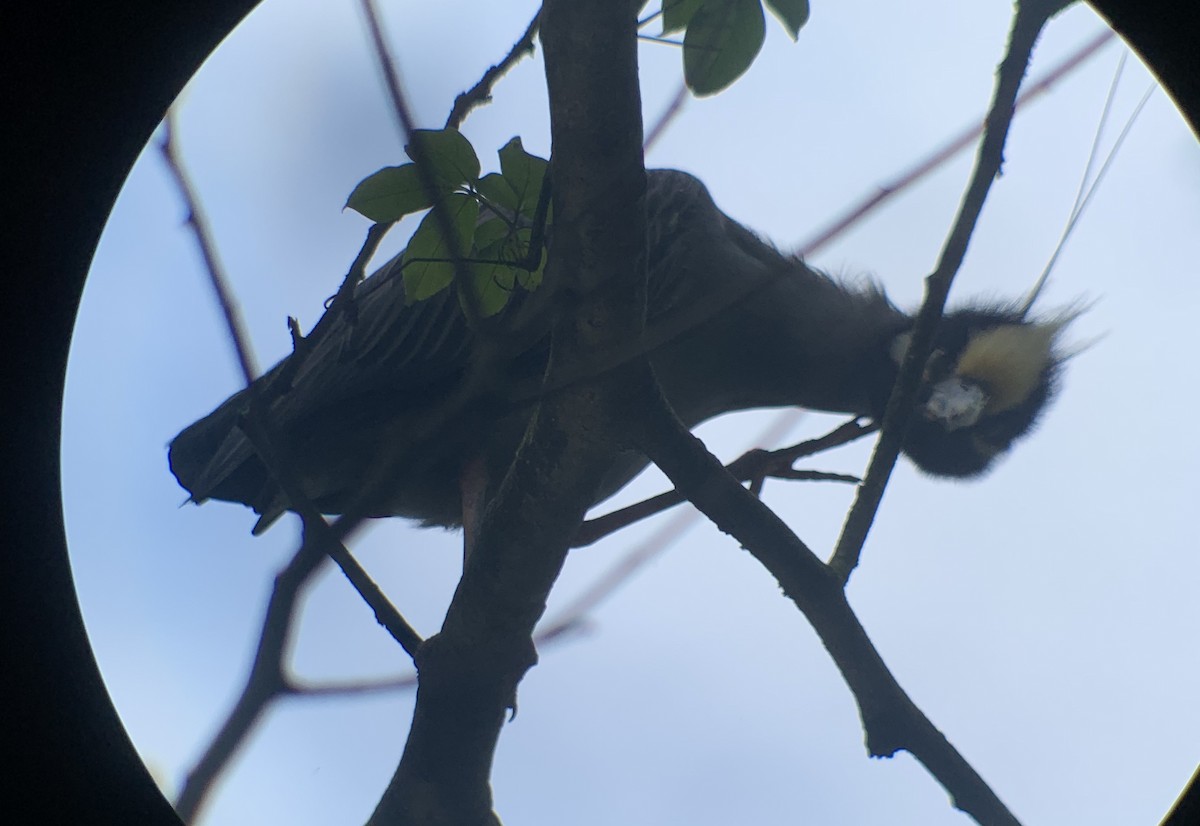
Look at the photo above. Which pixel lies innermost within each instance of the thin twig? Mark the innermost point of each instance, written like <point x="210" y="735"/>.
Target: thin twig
<point x="212" y="262"/>
<point x="1030" y="17"/>
<point x="481" y="92"/>
<point x="342" y="302"/>
<point x="391" y="76"/>
<point x="891" y="721"/>
<point x="666" y="118"/>
<point x="752" y="466"/>
<point x="1084" y="199"/>
<point x="253" y="424"/>
<point x="658" y="38"/>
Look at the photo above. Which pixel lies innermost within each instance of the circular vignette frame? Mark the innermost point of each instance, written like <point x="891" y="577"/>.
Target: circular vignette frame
<point x="83" y="85"/>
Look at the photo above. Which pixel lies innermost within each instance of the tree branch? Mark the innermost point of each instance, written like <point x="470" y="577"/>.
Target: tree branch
<point x="890" y="719"/>
<point x="481" y="92"/>
<point x="1030" y="17"/>
<point x="266" y="681"/>
<point x="469" y="672"/>
<point x="752" y="466"/>
<point x="208" y="250"/>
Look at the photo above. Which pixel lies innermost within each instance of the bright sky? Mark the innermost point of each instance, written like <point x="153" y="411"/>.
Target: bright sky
<point x="1044" y="618"/>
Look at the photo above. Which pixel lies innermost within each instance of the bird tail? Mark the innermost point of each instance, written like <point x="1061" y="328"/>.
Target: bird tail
<point x="213" y="459"/>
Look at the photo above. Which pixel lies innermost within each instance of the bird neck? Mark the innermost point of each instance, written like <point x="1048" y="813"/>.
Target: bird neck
<point x="776" y="332"/>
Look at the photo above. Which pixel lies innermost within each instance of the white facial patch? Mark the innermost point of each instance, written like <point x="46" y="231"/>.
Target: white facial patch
<point x="1010" y="360"/>
<point x="956" y="403"/>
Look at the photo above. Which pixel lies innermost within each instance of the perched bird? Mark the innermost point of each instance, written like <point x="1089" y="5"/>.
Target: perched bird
<point x="732" y="324"/>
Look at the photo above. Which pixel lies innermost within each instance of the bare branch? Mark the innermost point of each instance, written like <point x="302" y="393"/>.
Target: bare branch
<point x="253" y="424"/>
<point x="208" y="251"/>
<point x="890" y="719"/>
<point x="481" y="92"/>
<point x="1030" y="17"/>
<point x="752" y="466"/>
<point x="342" y="302"/>
<point x="666" y="118"/>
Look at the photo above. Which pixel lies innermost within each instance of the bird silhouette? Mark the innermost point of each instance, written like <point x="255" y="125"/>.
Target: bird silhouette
<point x="391" y="403"/>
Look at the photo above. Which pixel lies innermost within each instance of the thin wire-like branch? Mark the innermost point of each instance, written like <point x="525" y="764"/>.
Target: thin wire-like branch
<point x="1094" y="152"/>
<point x="1084" y="199"/>
<point x="481" y="92"/>
<point x="650" y="18"/>
<point x="666" y="118"/>
<point x="391" y="76"/>
<point x="658" y="38"/>
<point x="966" y="138"/>
<point x="351" y="688"/>
<point x="1030" y="17"/>
<point x="212" y="262"/>
<point x="620" y="573"/>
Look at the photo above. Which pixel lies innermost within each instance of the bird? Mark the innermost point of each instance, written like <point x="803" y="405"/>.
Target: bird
<point x="732" y="323"/>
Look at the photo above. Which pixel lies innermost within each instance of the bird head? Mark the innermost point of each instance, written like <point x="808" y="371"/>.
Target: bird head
<point x="991" y="375"/>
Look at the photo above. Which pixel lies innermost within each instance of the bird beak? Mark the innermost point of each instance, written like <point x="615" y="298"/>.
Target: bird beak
<point x="955" y="402"/>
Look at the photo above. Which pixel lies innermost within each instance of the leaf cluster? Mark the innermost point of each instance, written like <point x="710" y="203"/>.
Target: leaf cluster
<point x="497" y="220"/>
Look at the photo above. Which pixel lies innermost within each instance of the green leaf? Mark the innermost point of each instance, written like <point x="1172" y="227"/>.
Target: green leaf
<point x="722" y="40"/>
<point x="676" y="14"/>
<point x="524" y="173"/>
<point x="493" y="283"/>
<point x="496" y="189"/>
<point x="389" y="194"/>
<point x="428" y="268"/>
<point x="793" y="14"/>
<point x="451" y="158"/>
<point x="488" y="233"/>
<point x="506" y="254"/>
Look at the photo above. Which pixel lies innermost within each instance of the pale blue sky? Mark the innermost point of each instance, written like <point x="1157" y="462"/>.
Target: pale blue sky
<point x="1041" y="617"/>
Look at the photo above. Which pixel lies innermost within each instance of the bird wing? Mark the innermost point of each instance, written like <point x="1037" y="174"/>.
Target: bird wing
<point x="380" y="345"/>
<point x="363" y="365"/>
